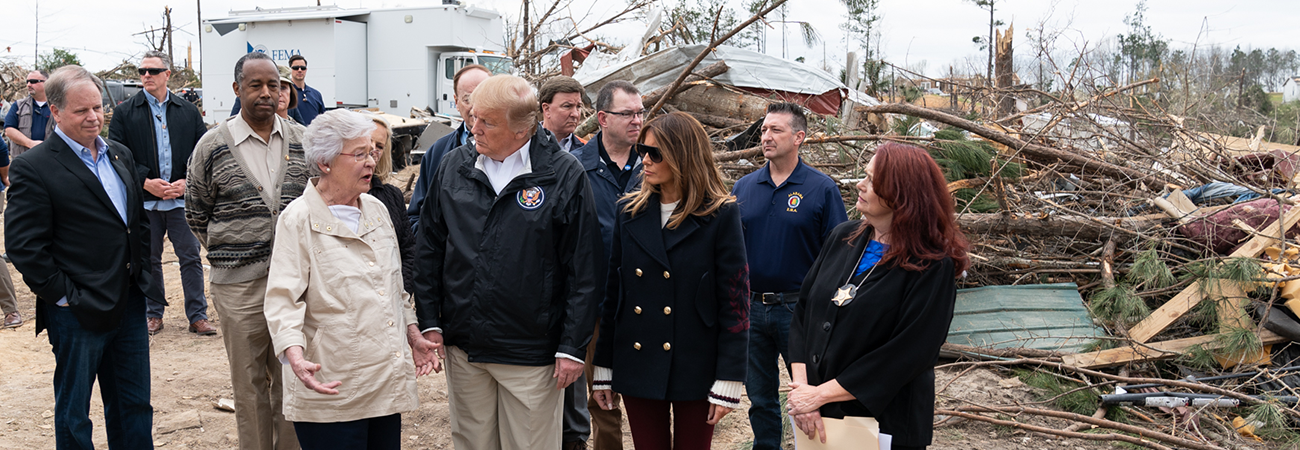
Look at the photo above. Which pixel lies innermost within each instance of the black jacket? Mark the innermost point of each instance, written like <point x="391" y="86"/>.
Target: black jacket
<point x="514" y="278"/>
<point x="392" y="199"/>
<point x="132" y="126"/>
<point x="882" y="346"/>
<point x="605" y="187"/>
<point x="676" y="311"/>
<point x="65" y="236"/>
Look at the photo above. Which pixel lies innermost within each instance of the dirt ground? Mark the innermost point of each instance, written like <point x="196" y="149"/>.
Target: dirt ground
<point x="190" y="374"/>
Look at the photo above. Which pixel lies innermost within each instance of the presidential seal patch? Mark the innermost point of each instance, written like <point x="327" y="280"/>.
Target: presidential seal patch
<point x="531" y="198"/>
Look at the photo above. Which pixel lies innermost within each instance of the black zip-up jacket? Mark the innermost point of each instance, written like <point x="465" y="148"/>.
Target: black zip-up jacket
<point x="132" y="126"/>
<point x="510" y="278"/>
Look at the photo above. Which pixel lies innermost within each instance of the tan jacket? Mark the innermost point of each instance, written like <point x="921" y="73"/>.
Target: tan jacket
<point x="339" y="296"/>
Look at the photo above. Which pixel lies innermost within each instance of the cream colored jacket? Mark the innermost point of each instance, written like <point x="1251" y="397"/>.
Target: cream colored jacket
<point x="338" y="294"/>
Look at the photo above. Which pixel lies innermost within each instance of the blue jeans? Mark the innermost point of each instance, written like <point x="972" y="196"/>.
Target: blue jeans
<point x="769" y="336"/>
<point x="120" y="361"/>
<point x="172" y="225"/>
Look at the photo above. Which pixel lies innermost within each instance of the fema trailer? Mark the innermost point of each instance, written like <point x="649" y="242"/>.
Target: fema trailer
<point x="398" y="61"/>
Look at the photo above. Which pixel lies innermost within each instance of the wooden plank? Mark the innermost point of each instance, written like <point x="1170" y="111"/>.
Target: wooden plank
<point x="1176" y="307"/>
<point x="1151" y="352"/>
<point x="1232" y="306"/>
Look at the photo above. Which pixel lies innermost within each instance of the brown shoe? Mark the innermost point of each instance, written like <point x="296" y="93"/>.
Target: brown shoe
<point x="155" y="325"/>
<point x="201" y="327"/>
<point x="13" y="320"/>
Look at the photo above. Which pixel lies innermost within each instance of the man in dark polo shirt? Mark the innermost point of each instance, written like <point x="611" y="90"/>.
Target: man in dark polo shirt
<point x="788" y="208"/>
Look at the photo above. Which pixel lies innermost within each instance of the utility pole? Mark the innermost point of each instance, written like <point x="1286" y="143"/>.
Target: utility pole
<point x="36" y="57"/>
<point x="199" y="5"/>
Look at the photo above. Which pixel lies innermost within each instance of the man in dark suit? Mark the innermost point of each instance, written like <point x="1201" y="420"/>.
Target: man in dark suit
<point x="76" y="231"/>
<point x="161" y="130"/>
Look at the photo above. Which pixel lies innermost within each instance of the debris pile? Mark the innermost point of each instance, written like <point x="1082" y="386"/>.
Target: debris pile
<point x="1167" y="238"/>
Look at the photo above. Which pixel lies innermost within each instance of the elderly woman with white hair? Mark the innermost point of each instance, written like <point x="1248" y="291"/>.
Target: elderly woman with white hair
<point x="338" y="315"/>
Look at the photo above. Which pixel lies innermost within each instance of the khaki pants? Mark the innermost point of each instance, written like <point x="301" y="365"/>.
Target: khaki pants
<point x="8" y="300"/>
<point x="254" y="368"/>
<point x="606" y="426"/>
<point x="500" y="406"/>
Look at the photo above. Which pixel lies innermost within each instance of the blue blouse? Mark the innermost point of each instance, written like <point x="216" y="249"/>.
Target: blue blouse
<point x="871" y="256"/>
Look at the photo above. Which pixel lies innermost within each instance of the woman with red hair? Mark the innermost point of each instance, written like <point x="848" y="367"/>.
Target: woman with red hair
<point x="876" y="305"/>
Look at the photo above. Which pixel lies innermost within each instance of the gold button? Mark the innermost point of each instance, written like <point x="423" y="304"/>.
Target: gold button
<point x="668" y="346"/>
<point x="286" y="157"/>
<point x="638" y="272"/>
<point x="665" y="274"/>
<point x="637" y="310"/>
<point x="390" y="323"/>
<point x="328" y="228"/>
<point x="372" y="264"/>
<point x="381" y="292"/>
<point x="636" y="345"/>
<point x="668" y="310"/>
<point x="259" y="189"/>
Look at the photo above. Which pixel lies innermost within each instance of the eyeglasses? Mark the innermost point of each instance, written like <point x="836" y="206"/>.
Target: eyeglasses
<point x="630" y="114"/>
<point x="299" y="67"/>
<point x="650" y="152"/>
<point x="362" y="155"/>
<point x="34" y="81"/>
<point x="150" y="70"/>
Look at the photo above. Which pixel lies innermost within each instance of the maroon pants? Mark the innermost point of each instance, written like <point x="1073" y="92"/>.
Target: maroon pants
<point x="687" y="427"/>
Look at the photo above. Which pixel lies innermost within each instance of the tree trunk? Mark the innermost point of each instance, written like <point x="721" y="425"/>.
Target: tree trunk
<point x="1029" y="150"/>
<point x="1063" y="226"/>
<point x="1005" y="72"/>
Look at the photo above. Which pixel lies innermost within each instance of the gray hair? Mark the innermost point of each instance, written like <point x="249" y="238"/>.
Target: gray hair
<point x="239" y="65"/>
<point x="64" y="79"/>
<point x="166" y="60"/>
<point x="324" y="138"/>
<point x="605" y="98"/>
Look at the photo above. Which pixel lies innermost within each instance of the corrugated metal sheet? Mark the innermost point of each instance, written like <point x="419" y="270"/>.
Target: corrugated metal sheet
<point x="1039" y="316"/>
<point x="749" y="70"/>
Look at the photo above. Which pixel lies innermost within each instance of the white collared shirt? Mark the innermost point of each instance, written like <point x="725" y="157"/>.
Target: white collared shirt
<point x="500" y="173"/>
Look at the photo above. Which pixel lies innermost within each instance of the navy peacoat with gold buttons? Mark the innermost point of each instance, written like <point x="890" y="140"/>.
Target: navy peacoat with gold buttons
<point x="676" y="312"/>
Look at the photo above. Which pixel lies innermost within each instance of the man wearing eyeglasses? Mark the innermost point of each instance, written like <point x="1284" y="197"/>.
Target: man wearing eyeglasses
<point x="161" y="130"/>
<point x="463" y="84"/>
<point x="28" y="121"/>
<point x="613" y="170"/>
<point x="310" y="102"/>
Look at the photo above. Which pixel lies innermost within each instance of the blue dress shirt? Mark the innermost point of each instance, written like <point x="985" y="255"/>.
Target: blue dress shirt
<point x="159" y="110"/>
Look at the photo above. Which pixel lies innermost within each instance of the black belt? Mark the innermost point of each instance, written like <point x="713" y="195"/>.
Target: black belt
<point x="776" y="298"/>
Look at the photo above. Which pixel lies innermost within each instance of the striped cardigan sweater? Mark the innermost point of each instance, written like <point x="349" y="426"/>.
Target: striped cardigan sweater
<point x="232" y="215"/>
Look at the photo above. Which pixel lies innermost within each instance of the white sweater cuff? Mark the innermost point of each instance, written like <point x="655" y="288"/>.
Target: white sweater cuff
<point x="602" y="379"/>
<point x="726" y="393"/>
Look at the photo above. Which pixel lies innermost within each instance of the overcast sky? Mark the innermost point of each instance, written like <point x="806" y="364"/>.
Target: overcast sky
<point x="936" y="32"/>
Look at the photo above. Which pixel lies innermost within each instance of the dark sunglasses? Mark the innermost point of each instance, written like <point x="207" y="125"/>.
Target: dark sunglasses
<point x="34" y="81"/>
<point x="299" y="67"/>
<point x="651" y="152"/>
<point x="150" y="70"/>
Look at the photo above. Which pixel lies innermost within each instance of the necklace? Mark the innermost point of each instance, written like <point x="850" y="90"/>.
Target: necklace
<point x="844" y="295"/>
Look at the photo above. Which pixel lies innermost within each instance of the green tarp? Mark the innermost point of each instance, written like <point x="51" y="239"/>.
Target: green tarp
<point x="1039" y="316"/>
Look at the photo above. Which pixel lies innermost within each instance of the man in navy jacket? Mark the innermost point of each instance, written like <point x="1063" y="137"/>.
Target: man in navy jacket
<point x="463" y="83"/>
